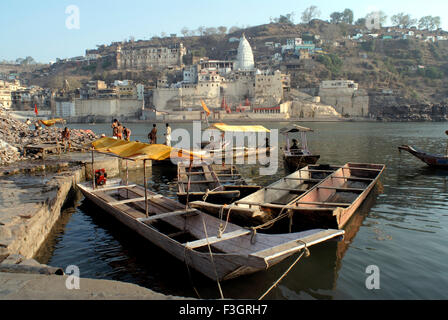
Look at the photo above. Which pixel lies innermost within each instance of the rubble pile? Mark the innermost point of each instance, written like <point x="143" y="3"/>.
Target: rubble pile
<point x="15" y="135"/>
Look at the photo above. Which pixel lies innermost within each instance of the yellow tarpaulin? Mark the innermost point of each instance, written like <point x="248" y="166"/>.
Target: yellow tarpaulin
<point x="140" y="151"/>
<point x="228" y="128"/>
<point x="51" y="122"/>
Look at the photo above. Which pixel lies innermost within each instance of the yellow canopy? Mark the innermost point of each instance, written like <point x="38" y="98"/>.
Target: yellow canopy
<point x="228" y="128"/>
<point x="140" y="151"/>
<point x="51" y="122"/>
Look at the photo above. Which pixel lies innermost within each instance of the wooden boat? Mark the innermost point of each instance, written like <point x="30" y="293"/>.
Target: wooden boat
<point x="281" y="192"/>
<point x="231" y="179"/>
<point x="295" y="159"/>
<point x="212" y="183"/>
<point x="200" y="182"/>
<point x="328" y="204"/>
<point x="432" y="160"/>
<point x="196" y="238"/>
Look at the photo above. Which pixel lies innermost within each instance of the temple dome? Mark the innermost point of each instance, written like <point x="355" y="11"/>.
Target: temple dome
<point x="245" y="57"/>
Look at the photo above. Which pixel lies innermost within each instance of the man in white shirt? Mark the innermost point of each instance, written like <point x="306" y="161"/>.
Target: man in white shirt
<point x="168" y="135"/>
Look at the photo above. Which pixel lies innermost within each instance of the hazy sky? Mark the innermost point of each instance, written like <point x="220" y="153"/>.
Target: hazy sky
<point x="38" y="28"/>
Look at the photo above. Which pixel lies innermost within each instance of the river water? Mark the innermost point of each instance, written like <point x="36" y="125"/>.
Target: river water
<point x="401" y="227"/>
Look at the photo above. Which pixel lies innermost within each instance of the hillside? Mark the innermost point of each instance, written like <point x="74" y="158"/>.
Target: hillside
<point x="416" y="70"/>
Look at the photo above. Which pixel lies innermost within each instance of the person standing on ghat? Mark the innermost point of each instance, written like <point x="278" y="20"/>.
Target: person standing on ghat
<point x="168" y="135"/>
<point x="152" y="136"/>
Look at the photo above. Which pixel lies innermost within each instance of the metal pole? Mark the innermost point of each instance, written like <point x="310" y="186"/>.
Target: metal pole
<point x="188" y="184"/>
<point x="127" y="179"/>
<point x="93" y="170"/>
<point x="146" y="186"/>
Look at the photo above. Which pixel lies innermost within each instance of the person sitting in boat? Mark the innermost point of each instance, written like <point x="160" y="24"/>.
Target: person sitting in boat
<point x="295" y="149"/>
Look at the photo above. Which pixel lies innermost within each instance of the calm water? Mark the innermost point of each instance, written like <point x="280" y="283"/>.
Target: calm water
<point x="401" y="227"/>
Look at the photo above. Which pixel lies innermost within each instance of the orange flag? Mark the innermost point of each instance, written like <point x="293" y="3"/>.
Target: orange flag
<point x="205" y="108"/>
<point x="35" y="109"/>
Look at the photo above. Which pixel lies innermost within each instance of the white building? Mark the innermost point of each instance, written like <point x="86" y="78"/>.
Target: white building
<point x="245" y="57"/>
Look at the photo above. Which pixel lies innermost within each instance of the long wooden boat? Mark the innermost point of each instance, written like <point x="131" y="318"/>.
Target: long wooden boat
<point x="215" y="183"/>
<point x="281" y="192"/>
<point x="189" y="234"/>
<point x="201" y="182"/>
<point x="432" y="160"/>
<point x="328" y="204"/>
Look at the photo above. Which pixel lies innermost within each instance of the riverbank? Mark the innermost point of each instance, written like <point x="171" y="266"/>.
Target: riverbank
<point x="32" y="196"/>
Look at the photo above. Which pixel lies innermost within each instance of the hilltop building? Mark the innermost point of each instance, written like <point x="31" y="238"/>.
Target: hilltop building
<point x="237" y="82"/>
<point x="149" y="57"/>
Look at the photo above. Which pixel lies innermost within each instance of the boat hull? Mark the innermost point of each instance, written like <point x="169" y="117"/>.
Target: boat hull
<point x="293" y="163"/>
<point x="432" y="160"/>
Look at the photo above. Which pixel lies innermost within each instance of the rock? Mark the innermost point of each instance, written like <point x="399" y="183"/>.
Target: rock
<point x="15" y="135"/>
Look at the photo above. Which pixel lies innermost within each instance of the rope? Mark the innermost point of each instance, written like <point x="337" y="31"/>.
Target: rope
<point x="305" y="252"/>
<point x="221" y="229"/>
<point x="189" y="273"/>
<point x="211" y="258"/>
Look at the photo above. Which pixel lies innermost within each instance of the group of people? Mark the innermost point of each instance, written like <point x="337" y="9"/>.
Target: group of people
<point x="152" y="136"/>
<point x="120" y="132"/>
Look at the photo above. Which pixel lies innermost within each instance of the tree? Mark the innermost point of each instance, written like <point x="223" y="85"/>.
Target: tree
<point x="347" y="16"/>
<point x="403" y="20"/>
<point x="222" y="30"/>
<point x="233" y="29"/>
<point x="336" y="17"/>
<point x="361" y="22"/>
<point x="210" y="31"/>
<point x="429" y="23"/>
<point x="310" y="13"/>
<point x="201" y="30"/>
<point x="185" y="31"/>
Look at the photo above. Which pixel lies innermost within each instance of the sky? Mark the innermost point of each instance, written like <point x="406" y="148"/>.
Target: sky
<point x="43" y="30"/>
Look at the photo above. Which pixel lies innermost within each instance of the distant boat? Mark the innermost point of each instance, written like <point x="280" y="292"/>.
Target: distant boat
<point x="295" y="159"/>
<point x="432" y="160"/>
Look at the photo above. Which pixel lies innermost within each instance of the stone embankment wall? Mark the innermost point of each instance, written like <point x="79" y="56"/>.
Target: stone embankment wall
<point x="395" y="108"/>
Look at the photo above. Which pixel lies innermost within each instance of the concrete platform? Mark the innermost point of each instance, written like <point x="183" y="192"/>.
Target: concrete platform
<point x="15" y="286"/>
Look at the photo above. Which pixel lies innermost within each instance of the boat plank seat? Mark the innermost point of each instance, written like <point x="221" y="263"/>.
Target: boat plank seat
<point x="213" y="240"/>
<point x="140" y="199"/>
<point x="200" y="181"/>
<point x="123" y="207"/>
<point x="333" y="204"/>
<point x="99" y="189"/>
<point x="168" y="214"/>
<point x="342" y="189"/>
<point x="296" y="191"/>
<point x="304" y="179"/>
<point x="280" y="206"/>
<point x="353" y="178"/>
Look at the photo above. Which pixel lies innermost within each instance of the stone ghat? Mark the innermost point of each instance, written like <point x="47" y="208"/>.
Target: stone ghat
<point x="16" y="135"/>
<point x="30" y="205"/>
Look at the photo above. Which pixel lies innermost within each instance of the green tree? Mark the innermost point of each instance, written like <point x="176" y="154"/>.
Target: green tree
<point x="336" y="17"/>
<point x="347" y="16"/>
<point x="403" y="20"/>
<point x="310" y="13"/>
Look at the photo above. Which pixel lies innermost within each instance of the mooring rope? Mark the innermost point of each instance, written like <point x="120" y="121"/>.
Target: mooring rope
<point x="222" y="228"/>
<point x="189" y="273"/>
<point x="211" y="258"/>
<point x="305" y="252"/>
